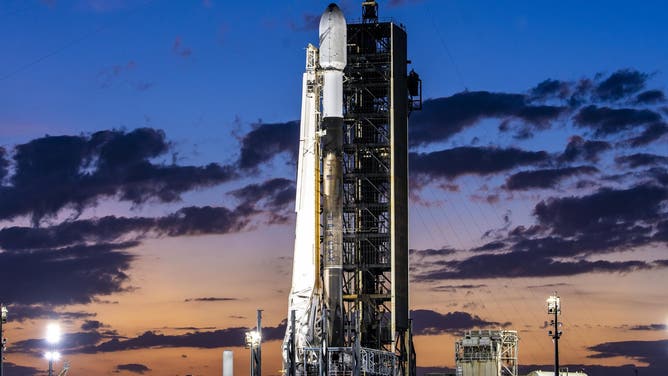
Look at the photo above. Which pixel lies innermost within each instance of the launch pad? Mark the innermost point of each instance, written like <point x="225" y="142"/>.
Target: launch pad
<point x="348" y="307"/>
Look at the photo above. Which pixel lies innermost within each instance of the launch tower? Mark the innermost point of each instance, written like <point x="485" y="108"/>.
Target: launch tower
<point x="358" y="322"/>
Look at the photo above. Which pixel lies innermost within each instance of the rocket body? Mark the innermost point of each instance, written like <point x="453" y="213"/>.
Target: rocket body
<point x="333" y="40"/>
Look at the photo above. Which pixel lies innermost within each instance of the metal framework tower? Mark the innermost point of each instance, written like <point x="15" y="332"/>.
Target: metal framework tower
<point x="348" y="304"/>
<point x="375" y="187"/>
<point x="487" y="353"/>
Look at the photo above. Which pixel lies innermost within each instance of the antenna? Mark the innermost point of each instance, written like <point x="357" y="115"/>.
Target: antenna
<point x="554" y="308"/>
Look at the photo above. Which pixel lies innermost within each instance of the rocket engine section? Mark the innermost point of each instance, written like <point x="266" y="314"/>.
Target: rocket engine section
<point x="333" y="37"/>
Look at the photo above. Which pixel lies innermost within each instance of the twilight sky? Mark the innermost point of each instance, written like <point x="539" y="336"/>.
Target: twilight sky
<point x="147" y="174"/>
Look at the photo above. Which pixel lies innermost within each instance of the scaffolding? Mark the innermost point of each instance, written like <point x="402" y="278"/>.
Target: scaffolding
<point x="487" y="353"/>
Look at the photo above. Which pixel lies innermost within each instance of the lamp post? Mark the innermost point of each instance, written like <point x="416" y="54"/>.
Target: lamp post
<point x="254" y="343"/>
<point x="554" y="308"/>
<point x="52" y="338"/>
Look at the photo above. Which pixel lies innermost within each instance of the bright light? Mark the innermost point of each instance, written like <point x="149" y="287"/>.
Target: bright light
<point x="553" y="304"/>
<point x="52" y="333"/>
<point x="253" y="338"/>
<point x="52" y="355"/>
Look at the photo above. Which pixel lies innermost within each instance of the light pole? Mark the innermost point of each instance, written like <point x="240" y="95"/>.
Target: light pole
<point x="254" y="343"/>
<point x="554" y="308"/>
<point x="52" y="338"/>
<point x="3" y="340"/>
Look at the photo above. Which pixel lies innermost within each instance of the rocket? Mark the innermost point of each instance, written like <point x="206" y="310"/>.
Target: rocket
<point x="333" y="40"/>
<point x="317" y="270"/>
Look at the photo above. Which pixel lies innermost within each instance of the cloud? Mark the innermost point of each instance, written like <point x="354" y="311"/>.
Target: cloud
<point x="198" y="339"/>
<point x="23" y="312"/>
<point x="133" y="367"/>
<point x="451" y="163"/>
<point x="266" y="141"/>
<point x="640" y="160"/>
<point x="191" y="220"/>
<point x="4" y="164"/>
<point x="651" y="352"/>
<point x="55" y="172"/>
<point x="441" y="118"/>
<point x="209" y="299"/>
<point x="572" y="215"/>
<point x="650" y="134"/>
<point x="569" y="231"/>
<point x="71" y="275"/>
<point x="605" y="121"/>
<point x="179" y="49"/>
<point x="12" y="369"/>
<point x="579" y="149"/>
<point x="650" y="97"/>
<point x="621" y="84"/>
<point x="274" y="193"/>
<point x="550" y="89"/>
<point x="428" y="322"/>
<point x="89" y="325"/>
<point x="657" y="327"/>
<point x="545" y="179"/>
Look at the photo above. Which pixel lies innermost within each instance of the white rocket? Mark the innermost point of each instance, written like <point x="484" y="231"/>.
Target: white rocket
<point x="321" y="143"/>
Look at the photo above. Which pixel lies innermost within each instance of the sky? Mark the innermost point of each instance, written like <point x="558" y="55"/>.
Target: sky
<point x="147" y="167"/>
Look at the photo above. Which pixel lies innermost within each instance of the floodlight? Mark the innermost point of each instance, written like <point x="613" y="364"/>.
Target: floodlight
<point x="3" y="314"/>
<point x="52" y="355"/>
<point x="553" y="305"/>
<point x="53" y="333"/>
<point x="253" y="339"/>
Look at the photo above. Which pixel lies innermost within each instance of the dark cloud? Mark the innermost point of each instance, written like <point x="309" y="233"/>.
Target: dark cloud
<point x="579" y="149"/>
<point x="550" y="89"/>
<point x="12" y="369"/>
<point x="650" y="97"/>
<point x="568" y="231"/>
<point x="91" y="325"/>
<point x="55" y="172"/>
<point x="454" y="288"/>
<point x="657" y="327"/>
<point x="23" y="312"/>
<point x="266" y="141"/>
<point x="545" y="179"/>
<point x="4" y="164"/>
<point x="521" y="264"/>
<point x="571" y="215"/>
<point x="432" y="252"/>
<point x="650" y="134"/>
<point x="651" y="352"/>
<point x="210" y="339"/>
<point x="491" y="246"/>
<point x="275" y="193"/>
<point x="210" y="299"/>
<point x="191" y="220"/>
<point x="606" y="121"/>
<point x="133" y="367"/>
<point x="68" y="275"/>
<point x="68" y="344"/>
<point x="441" y="118"/>
<point x="427" y="322"/>
<point x="451" y="163"/>
<point x="621" y="84"/>
<point x="640" y="160"/>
